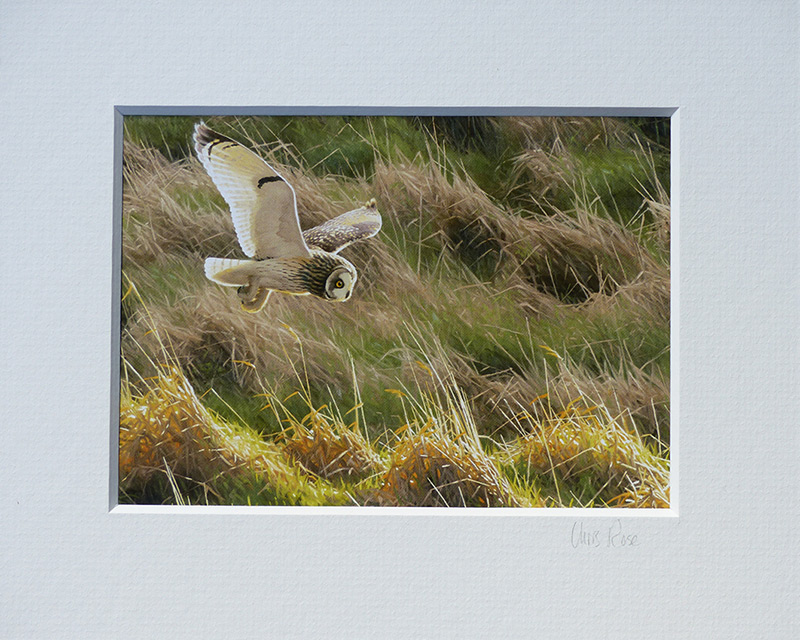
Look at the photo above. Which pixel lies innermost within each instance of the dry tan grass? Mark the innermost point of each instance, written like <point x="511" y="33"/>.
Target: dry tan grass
<point x="554" y="134"/>
<point x="539" y="173"/>
<point x="566" y="256"/>
<point x="157" y="222"/>
<point x="209" y="327"/>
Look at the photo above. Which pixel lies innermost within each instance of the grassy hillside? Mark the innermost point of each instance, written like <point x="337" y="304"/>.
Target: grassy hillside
<point x="507" y="343"/>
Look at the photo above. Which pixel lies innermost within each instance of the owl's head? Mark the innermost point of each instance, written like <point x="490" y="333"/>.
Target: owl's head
<point x="339" y="285"/>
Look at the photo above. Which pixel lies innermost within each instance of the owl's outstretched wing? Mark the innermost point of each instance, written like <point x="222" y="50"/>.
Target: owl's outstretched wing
<point x="335" y="234"/>
<point x="262" y="203"/>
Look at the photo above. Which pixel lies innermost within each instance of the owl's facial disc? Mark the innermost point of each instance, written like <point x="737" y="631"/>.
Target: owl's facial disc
<point x="339" y="285"/>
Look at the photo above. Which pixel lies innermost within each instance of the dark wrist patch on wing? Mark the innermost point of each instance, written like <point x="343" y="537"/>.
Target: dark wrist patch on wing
<point x="263" y="181"/>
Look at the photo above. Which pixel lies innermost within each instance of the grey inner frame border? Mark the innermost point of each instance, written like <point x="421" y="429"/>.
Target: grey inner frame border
<point x="121" y="111"/>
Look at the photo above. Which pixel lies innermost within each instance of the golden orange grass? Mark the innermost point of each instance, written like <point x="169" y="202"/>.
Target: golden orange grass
<point x="432" y="469"/>
<point x="165" y="429"/>
<point x="585" y="438"/>
<point x="438" y="460"/>
<point x="328" y="448"/>
<point x="321" y="443"/>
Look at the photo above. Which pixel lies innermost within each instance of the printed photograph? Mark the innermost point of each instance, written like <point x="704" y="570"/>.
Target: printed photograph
<point x="405" y="311"/>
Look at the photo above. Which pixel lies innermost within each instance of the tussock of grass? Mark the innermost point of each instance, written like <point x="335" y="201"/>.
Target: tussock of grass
<point x="167" y="430"/>
<point x="569" y="257"/>
<point x="430" y="469"/>
<point x="585" y="446"/>
<point x="437" y="458"/>
<point x="324" y="446"/>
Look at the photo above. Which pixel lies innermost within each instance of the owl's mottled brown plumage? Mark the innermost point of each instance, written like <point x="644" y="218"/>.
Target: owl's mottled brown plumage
<point x="341" y="231"/>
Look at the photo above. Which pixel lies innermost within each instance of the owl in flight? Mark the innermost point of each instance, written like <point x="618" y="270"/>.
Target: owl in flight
<point x="264" y="212"/>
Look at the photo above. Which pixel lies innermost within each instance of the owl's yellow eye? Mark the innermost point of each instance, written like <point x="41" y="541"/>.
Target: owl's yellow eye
<point x="338" y="284"/>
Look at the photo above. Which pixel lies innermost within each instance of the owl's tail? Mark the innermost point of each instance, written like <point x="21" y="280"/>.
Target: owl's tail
<point x="229" y="272"/>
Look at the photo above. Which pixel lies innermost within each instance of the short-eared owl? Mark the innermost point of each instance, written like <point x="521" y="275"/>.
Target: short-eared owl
<point x="264" y="212"/>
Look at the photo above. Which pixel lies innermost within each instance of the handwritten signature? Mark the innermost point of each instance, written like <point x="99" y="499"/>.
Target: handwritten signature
<point x="611" y="537"/>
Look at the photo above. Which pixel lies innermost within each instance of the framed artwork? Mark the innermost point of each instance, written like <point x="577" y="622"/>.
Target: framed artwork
<point x="566" y="324"/>
<point x="422" y="310"/>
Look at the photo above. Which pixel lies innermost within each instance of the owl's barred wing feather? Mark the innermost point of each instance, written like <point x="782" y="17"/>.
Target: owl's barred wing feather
<point x="335" y="234"/>
<point x="262" y="203"/>
<point x="229" y="272"/>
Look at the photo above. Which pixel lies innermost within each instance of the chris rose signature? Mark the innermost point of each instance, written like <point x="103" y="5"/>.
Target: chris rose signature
<point x="611" y="536"/>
